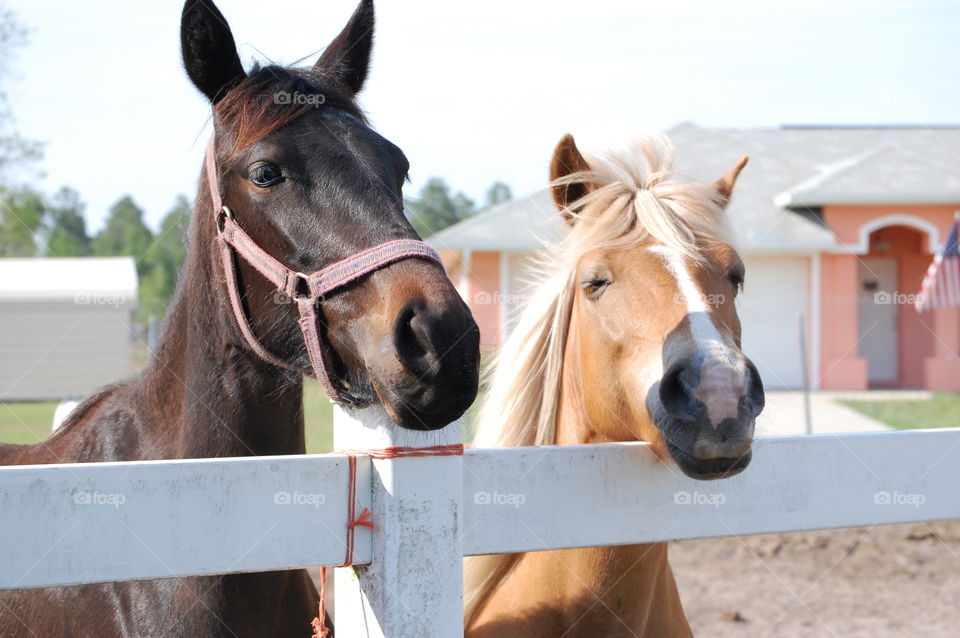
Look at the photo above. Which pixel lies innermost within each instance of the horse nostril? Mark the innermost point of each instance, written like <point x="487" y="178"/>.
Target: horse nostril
<point x="676" y="392"/>
<point x="755" y="397"/>
<point x="412" y="340"/>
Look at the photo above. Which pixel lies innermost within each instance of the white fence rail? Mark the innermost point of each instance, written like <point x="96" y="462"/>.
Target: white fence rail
<point x="98" y="522"/>
<point x="619" y="493"/>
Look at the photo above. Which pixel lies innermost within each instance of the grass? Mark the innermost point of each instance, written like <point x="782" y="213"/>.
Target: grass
<point x="26" y="422"/>
<point x="31" y="422"/>
<point x="318" y="417"/>
<point x="941" y="411"/>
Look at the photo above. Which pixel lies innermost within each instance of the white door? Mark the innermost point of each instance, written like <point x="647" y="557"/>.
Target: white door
<point x="877" y="306"/>
<point x="774" y="297"/>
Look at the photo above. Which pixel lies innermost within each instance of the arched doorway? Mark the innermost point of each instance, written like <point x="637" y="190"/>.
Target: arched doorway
<point x="893" y="338"/>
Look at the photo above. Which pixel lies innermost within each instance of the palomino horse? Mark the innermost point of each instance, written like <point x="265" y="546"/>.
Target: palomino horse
<point x="631" y="335"/>
<point x="310" y="183"/>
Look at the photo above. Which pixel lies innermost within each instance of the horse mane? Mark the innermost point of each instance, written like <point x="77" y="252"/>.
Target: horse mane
<point x="636" y="198"/>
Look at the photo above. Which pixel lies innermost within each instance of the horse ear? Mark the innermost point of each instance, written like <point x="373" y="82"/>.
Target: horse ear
<point x="348" y="56"/>
<point x="209" y="52"/>
<point x="567" y="160"/>
<point x="724" y="185"/>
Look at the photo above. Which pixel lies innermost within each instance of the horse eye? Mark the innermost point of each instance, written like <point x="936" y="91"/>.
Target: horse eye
<point x="593" y="288"/>
<point x="264" y="175"/>
<point x="737" y="280"/>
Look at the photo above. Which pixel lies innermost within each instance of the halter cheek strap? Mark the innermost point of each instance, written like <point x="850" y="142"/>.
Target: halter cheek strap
<point x="308" y="291"/>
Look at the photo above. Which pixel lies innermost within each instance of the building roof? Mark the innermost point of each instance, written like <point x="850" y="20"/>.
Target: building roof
<point x="791" y="170"/>
<point x="519" y="225"/>
<point x="886" y="175"/>
<point x="84" y="279"/>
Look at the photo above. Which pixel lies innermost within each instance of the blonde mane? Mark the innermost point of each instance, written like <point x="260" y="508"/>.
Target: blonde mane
<point x="636" y="198"/>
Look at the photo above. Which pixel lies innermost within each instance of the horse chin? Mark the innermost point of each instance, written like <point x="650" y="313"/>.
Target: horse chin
<point x="409" y="419"/>
<point x="420" y="406"/>
<point x="704" y="452"/>
<point x="708" y="469"/>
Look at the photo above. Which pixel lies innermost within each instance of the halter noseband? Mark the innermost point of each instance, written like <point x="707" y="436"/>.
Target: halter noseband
<point x="307" y="290"/>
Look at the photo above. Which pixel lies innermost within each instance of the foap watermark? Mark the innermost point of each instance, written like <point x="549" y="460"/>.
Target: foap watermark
<point x="99" y="299"/>
<point x="899" y="498"/>
<point x="296" y="98"/>
<point x="713" y="299"/>
<point x="484" y="298"/>
<point x="698" y="498"/>
<point x="299" y="498"/>
<point x="498" y="498"/>
<point x="895" y="298"/>
<point x="281" y="298"/>
<point x="84" y="497"/>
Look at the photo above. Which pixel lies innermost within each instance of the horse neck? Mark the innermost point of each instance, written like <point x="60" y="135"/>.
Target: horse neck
<point x="631" y="577"/>
<point x="575" y="424"/>
<point x="204" y="383"/>
<point x="507" y="593"/>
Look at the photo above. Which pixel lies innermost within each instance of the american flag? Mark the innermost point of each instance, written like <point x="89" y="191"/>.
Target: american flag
<point x="941" y="285"/>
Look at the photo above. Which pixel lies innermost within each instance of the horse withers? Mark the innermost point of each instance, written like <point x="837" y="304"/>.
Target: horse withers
<point x="309" y="183"/>
<point x="631" y="335"/>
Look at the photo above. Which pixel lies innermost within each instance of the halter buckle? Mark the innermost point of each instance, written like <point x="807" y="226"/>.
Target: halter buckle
<point x="301" y="289"/>
<point x="224" y="214"/>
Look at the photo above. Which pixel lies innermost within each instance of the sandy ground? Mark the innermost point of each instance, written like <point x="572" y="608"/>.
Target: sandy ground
<point x="876" y="582"/>
<point x="898" y="580"/>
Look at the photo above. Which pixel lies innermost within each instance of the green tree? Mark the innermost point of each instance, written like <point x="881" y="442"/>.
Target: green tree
<point x="22" y="217"/>
<point x="17" y="154"/>
<point x="68" y="235"/>
<point x="498" y="193"/>
<point x="22" y="210"/>
<point x="125" y="233"/>
<point x="165" y="258"/>
<point x="436" y="207"/>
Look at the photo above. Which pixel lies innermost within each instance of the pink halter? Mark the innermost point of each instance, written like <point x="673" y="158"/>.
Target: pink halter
<point x="319" y="284"/>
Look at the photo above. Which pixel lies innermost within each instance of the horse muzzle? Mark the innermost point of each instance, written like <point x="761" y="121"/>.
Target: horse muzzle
<point x="436" y="375"/>
<point x="707" y="412"/>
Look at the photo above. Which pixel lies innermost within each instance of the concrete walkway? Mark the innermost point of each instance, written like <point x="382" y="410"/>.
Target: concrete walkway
<point x="784" y="412"/>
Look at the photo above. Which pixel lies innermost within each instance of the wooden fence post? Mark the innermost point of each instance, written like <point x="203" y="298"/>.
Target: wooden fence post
<point x="413" y="586"/>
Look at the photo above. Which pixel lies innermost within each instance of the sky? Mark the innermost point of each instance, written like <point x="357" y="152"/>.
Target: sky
<point x="480" y="91"/>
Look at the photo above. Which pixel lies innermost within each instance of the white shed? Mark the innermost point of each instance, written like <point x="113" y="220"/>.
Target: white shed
<point x="66" y="325"/>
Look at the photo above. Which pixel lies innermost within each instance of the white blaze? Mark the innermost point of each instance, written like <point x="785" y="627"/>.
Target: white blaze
<point x="722" y="378"/>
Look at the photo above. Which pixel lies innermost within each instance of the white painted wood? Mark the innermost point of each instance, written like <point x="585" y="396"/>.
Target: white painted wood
<point x="877" y="308"/>
<point x="70" y="524"/>
<point x="413" y="586"/>
<point x="816" y="310"/>
<point x="64" y="408"/>
<point x="526" y="499"/>
<point x="775" y="295"/>
<point x="97" y="522"/>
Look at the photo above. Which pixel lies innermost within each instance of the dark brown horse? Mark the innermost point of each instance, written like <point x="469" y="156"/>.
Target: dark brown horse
<point x="311" y="183"/>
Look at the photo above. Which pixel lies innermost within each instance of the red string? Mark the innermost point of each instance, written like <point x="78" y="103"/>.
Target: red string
<point x="395" y="452"/>
<point x="365" y="519"/>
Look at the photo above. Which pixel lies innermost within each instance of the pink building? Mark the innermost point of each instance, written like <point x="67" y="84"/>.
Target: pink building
<point x="837" y="226"/>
